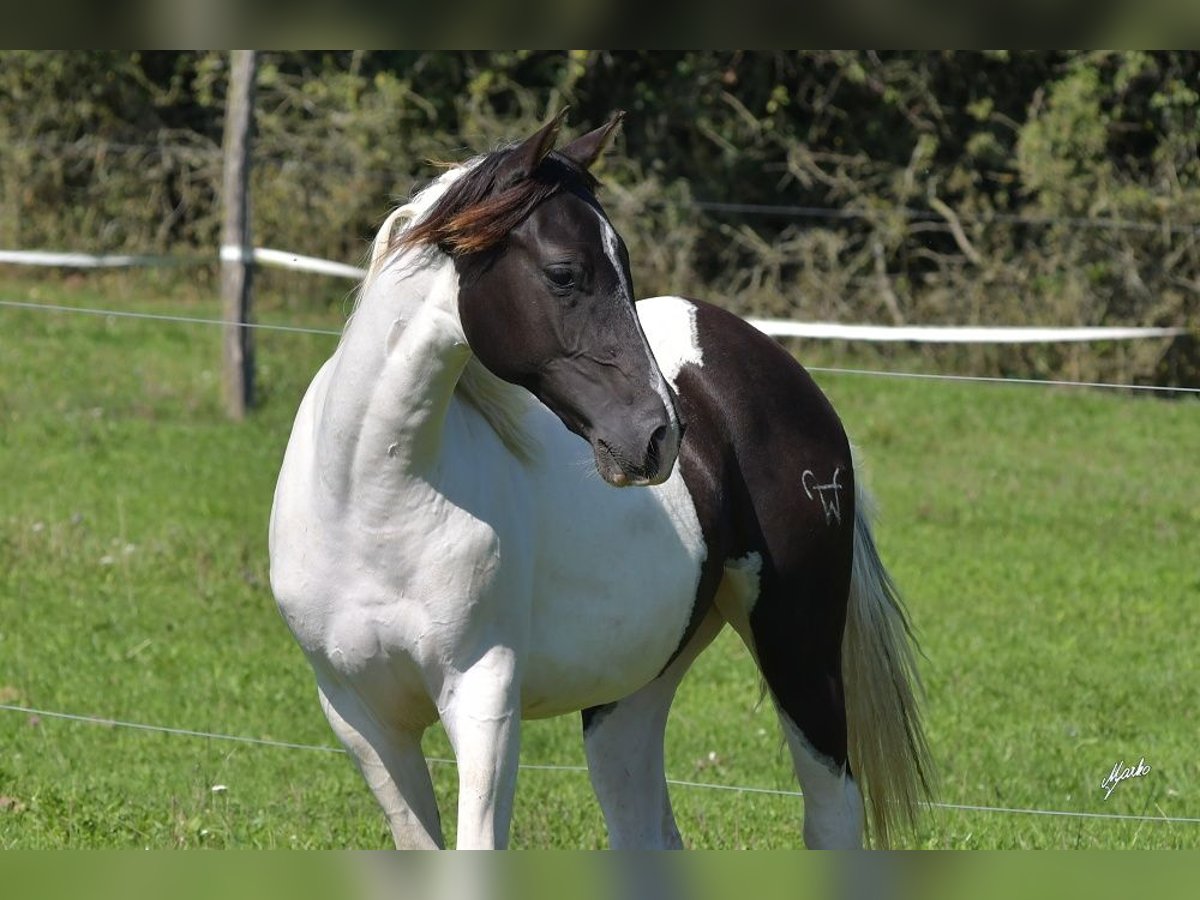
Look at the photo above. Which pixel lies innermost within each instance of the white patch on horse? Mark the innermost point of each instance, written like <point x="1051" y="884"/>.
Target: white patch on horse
<point x="831" y="500"/>
<point x="612" y="251"/>
<point x="738" y="592"/>
<point x="743" y="575"/>
<point x="670" y="327"/>
<point x="833" y="810"/>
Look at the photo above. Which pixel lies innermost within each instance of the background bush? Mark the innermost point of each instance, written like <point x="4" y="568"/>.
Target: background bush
<point x="1056" y="188"/>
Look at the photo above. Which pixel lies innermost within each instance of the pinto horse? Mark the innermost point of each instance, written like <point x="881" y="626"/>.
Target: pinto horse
<point x="441" y="547"/>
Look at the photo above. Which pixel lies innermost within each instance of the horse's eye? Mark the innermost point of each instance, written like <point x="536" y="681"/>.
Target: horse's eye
<point x="562" y="277"/>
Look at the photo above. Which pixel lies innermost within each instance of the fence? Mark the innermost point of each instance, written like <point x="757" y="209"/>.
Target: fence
<point x="926" y="334"/>
<point x="764" y="325"/>
<point x="536" y="767"/>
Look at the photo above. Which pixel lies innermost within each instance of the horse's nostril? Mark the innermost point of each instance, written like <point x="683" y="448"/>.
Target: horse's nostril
<point x="654" y="451"/>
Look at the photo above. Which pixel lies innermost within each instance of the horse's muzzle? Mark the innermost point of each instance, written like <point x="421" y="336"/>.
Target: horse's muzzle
<point x="651" y="464"/>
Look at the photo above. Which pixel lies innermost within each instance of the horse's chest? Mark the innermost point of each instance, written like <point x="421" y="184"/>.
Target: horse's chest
<point x="613" y="592"/>
<point x="593" y="586"/>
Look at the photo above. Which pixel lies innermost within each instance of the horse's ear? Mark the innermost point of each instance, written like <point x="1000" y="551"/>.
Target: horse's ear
<point x="526" y="156"/>
<point x="586" y="149"/>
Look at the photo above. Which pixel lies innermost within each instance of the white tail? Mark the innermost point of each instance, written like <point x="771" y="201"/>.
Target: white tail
<point x="888" y="752"/>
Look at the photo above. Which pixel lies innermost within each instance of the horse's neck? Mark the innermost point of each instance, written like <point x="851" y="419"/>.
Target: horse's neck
<point x="402" y="362"/>
<point x="394" y="375"/>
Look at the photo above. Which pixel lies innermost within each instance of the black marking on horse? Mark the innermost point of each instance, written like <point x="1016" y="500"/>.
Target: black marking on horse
<point x="756" y="422"/>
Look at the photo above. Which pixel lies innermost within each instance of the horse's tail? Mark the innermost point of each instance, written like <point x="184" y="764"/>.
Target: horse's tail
<point x="887" y="747"/>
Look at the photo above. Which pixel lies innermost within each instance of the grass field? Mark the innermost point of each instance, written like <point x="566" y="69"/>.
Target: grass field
<point x="1047" y="541"/>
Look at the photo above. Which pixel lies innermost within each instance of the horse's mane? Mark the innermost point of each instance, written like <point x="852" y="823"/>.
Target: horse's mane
<point x="464" y="211"/>
<point x="476" y="212"/>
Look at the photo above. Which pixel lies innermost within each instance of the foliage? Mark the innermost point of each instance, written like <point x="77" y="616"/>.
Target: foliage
<point x="951" y="187"/>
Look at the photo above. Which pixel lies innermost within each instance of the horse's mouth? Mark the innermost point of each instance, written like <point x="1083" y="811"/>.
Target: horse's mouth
<point x="618" y="472"/>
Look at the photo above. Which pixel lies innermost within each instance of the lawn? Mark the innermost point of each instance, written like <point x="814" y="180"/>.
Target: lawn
<point x="1046" y="540"/>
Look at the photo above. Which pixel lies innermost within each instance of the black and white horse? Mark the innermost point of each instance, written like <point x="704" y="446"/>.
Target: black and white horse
<point x="441" y="547"/>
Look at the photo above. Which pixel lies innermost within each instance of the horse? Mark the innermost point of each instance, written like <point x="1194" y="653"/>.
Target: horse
<point x="444" y="546"/>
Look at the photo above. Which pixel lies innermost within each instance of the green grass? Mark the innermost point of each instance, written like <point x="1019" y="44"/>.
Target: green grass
<point x="1046" y="540"/>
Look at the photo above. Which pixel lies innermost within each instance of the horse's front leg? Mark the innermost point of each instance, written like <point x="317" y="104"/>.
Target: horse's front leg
<point x="482" y="717"/>
<point x="624" y="743"/>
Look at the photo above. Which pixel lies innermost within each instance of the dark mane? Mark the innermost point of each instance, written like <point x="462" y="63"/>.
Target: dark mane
<point x="473" y="215"/>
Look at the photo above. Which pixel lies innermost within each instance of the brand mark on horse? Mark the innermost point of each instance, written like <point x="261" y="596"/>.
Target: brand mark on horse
<point x="831" y="500"/>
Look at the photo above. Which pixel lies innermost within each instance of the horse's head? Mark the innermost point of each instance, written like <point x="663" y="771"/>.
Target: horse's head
<point x="546" y="298"/>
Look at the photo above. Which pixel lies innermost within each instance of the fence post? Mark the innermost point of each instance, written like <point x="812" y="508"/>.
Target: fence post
<point x="237" y="267"/>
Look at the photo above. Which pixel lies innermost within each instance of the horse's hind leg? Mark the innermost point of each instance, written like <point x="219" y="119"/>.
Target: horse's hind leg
<point x="624" y="745"/>
<point x="833" y="810"/>
<point x="391" y="761"/>
<point x="793" y="627"/>
<point x="799" y="654"/>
